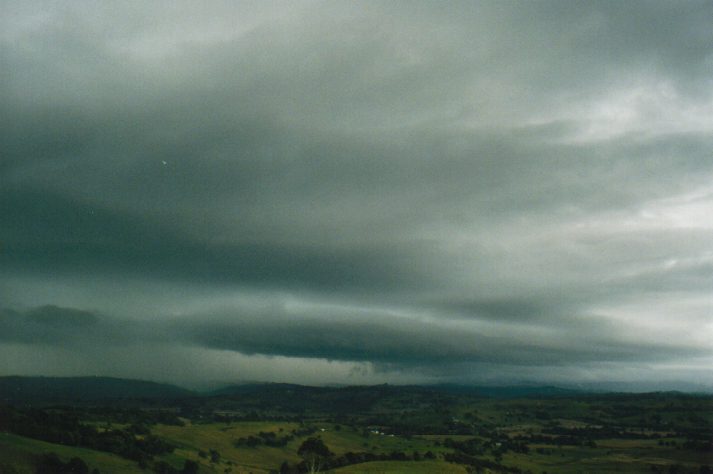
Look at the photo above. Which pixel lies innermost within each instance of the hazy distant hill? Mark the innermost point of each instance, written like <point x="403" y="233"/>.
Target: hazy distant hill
<point x="14" y="389"/>
<point x="23" y="389"/>
<point x="281" y="389"/>
<point x="510" y="391"/>
<point x="267" y="389"/>
<point x="349" y="399"/>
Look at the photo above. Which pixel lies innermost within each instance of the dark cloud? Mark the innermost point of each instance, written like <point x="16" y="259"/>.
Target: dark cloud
<point x="427" y="343"/>
<point x="418" y="188"/>
<point x="55" y="316"/>
<point x="46" y="325"/>
<point x="341" y="334"/>
<point x="52" y="234"/>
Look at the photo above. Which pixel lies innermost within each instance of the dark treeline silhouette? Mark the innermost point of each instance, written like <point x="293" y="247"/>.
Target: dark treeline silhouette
<point x="64" y="428"/>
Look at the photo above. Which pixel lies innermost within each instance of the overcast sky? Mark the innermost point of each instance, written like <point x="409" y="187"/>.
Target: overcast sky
<point x="357" y="192"/>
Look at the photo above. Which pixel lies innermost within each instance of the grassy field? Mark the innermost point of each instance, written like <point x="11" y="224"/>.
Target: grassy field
<point x="410" y="467"/>
<point x="193" y="439"/>
<point x="20" y="454"/>
<point x="346" y="440"/>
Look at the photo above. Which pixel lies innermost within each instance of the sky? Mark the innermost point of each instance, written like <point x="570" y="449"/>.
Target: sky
<point x="357" y="192"/>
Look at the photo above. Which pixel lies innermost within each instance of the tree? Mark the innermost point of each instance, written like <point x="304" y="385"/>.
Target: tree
<point x="51" y="464"/>
<point x="190" y="467"/>
<point x="77" y="466"/>
<point x="315" y="453"/>
<point x="8" y="469"/>
<point x="162" y="467"/>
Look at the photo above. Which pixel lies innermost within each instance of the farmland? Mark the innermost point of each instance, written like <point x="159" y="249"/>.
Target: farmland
<point x="293" y="429"/>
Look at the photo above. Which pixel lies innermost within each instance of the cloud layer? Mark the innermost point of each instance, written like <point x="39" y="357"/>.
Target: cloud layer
<point x="358" y="191"/>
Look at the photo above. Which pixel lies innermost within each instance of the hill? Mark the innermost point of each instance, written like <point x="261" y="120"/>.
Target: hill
<point x="283" y="390"/>
<point x="16" y="389"/>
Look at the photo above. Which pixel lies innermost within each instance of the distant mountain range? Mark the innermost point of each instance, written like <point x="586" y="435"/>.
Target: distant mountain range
<point x="14" y="389"/>
<point x="484" y="391"/>
<point x="27" y="389"/>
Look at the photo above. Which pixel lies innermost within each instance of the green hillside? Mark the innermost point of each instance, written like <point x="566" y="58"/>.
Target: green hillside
<point x="20" y="454"/>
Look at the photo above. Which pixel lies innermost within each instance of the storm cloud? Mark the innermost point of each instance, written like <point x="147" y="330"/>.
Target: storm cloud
<point x="357" y="192"/>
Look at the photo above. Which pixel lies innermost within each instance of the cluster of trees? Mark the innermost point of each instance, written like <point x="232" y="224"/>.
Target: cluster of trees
<point x="126" y="415"/>
<point x="50" y="463"/>
<point x="471" y="446"/>
<point x="478" y="464"/>
<point x="418" y="423"/>
<point x="266" y="438"/>
<point x="466" y="452"/>
<point x="65" y="428"/>
<point x="497" y="446"/>
<point x="702" y="445"/>
<point x="563" y="440"/>
<point x="679" y="469"/>
<point x="317" y="457"/>
<point x="251" y="415"/>
<point x="47" y="425"/>
<point x="596" y="432"/>
<point x="699" y="438"/>
<point x="189" y="467"/>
